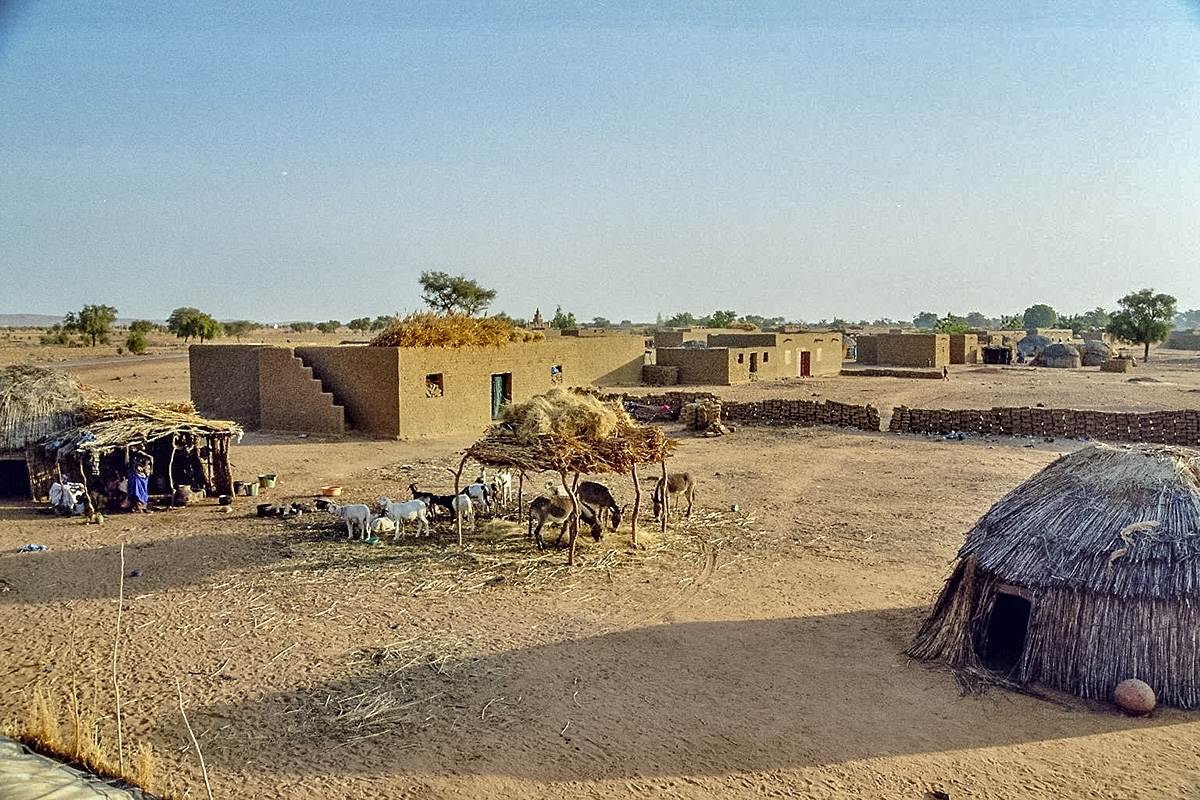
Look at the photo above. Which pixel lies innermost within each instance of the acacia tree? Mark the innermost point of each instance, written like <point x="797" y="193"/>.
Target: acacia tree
<point x="92" y="321"/>
<point x="188" y="322"/>
<point x="564" y="321"/>
<point x="454" y="294"/>
<point x="1144" y="318"/>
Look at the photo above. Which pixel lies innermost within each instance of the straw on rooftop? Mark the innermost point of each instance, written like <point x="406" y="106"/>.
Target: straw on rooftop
<point x="427" y="329"/>
<point x="35" y="401"/>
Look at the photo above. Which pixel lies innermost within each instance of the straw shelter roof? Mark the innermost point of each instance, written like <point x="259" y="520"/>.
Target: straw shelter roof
<point x="36" y="401"/>
<point x="1085" y="575"/>
<point x="108" y="423"/>
<point x="1114" y="520"/>
<point x="570" y="431"/>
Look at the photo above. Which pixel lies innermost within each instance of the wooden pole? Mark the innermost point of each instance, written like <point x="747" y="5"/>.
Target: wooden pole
<point x="573" y="519"/>
<point x="666" y="506"/>
<point x="457" y="512"/>
<point x="637" y="499"/>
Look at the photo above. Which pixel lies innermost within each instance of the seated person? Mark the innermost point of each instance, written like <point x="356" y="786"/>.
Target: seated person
<point x="66" y="498"/>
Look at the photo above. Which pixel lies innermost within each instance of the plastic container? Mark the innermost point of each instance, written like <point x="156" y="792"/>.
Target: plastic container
<point x="267" y="481"/>
<point x="331" y="491"/>
<point x="252" y="489"/>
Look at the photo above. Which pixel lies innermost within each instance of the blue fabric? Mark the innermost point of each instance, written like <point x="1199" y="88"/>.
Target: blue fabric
<point x="139" y="487"/>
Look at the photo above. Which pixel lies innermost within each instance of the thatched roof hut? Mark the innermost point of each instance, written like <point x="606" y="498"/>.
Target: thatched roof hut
<point x="187" y="448"/>
<point x="1085" y="575"/>
<point x="35" y="402"/>
<point x="572" y="432"/>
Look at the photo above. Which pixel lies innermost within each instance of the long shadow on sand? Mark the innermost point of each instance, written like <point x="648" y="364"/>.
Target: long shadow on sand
<point x="701" y="698"/>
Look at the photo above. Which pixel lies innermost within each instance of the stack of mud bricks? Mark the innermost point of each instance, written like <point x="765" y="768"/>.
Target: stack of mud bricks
<point x="1164" y="427"/>
<point x="701" y="415"/>
<point x="804" y="413"/>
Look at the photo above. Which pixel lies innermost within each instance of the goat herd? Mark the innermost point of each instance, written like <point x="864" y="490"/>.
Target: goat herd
<point x="597" y="509"/>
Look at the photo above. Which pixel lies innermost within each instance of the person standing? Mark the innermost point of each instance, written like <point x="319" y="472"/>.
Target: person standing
<point x="945" y="373"/>
<point x="141" y="465"/>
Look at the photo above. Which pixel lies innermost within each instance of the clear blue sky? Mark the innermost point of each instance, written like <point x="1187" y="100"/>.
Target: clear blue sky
<point x="290" y="160"/>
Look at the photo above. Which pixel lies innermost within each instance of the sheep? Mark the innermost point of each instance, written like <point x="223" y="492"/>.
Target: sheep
<point x="379" y="525"/>
<point x="679" y="484"/>
<point x="598" y="498"/>
<point x="402" y="512"/>
<point x="356" y="516"/>
<point x="558" y="511"/>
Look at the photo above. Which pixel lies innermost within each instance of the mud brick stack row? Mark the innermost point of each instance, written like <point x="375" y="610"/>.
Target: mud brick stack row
<point x="803" y="413"/>
<point x="1165" y="427"/>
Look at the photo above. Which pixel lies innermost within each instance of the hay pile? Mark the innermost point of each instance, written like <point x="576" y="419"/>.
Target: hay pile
<point x="427" y="329"/>
<point x="570" y="431"/>
<point x="35" y="402"/>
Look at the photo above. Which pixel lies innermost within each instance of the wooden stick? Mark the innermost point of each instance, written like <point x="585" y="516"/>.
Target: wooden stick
<point x="116" y="679"/>
<point x="191" y="733"/>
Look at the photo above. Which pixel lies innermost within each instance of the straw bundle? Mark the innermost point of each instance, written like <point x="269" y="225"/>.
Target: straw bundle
<point x="427" y="329"/>
<point x="36" y="401"/>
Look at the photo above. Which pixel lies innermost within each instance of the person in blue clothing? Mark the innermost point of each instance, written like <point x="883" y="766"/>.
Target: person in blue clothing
<point x="141" y="465"/>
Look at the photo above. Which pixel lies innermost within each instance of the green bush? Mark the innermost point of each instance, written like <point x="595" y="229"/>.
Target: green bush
<point x="135" y="342"/>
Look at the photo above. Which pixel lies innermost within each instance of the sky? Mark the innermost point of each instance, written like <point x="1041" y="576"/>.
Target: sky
<point x="278" y="161"/>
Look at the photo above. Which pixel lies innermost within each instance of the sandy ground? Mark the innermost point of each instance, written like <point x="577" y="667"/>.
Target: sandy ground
<point x="742" y="653"/>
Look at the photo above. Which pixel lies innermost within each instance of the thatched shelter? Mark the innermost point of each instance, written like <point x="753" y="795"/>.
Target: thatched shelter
<point x="1085" y="575"/>
<point x="187" y="448"/>
<point x="35" y="402"/>
<point x="572" y="433"/>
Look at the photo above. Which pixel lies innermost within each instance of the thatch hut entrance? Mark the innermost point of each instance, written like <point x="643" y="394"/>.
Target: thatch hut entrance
<point x="1085" y="575"/>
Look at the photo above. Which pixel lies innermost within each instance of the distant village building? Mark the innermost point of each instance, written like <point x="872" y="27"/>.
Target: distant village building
<point x="725" y="359"/>
<point x="905" y="350"/>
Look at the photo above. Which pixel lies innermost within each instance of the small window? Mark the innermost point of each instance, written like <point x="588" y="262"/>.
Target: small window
<point x="766" y="357"/>
<point x="433" y="385"/>
<point x="556" y="375"/>
<point x="741" y="358"/>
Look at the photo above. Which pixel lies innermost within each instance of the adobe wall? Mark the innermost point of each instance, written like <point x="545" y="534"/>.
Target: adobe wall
<point x="800" y="413"/>
<point x="703" y="366"/>
<point x="1184" y="340"/>
<point x="964" y="348"/>
<point x="1164" y="427"/>
<point x="293" y="398"/>
<point x="868" y="350"/>
<point x="913" y="349"/>
<point x="225" y="382"/>
<point x="365" y="381"/>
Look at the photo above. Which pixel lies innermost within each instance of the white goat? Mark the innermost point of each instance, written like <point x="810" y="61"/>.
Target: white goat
<point x="400" y="513"/>
<point x="502" y="488"/>
<point x="464" y="509"/>
<point x="356" y="516"/>
<point x="479" y="492"/>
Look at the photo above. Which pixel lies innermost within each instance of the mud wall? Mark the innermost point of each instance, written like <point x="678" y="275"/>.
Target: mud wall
<point x="801" y="413"/>
<point x="225" y="382"/>
<point x="1163" y="427"/>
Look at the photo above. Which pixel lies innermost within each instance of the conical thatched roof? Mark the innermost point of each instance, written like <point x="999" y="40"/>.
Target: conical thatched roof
<point x="1121" y="521"/>
<point x="35" y="401"/>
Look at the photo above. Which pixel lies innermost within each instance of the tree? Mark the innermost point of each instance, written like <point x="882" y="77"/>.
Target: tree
<point x="976" y="319"/>
<point x="239" y="328"/>
<point x="1012" y="323"/>
<point x="142" y="326"/>
<point x="601" y="322"/>
<point x="722" y="319"/>
<point x="329" y="327"/>
<point x="135" y="342"/>
<point x="951" y="324"/>
<point x="564" y="322"/>
<point x="302" y="327"/>
<point x="1187" y="320"/>
<point x="93" y="322"/>
<point x="926" y="320"/>
<point x="381" y="322"/>
<point x="1039" y="316"/>
<point x="359" y="324"/>
<point x="188" y="322"/>
<point x="1144" y="318"/>
<point x="681" y="320"/>
<point x="458" y="294"/>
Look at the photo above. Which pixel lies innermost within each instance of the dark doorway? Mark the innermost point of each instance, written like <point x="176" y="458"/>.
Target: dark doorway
<point x="805" y="364"/>
<point x="1004" y="640"/>
<point x="501" y="392"/>
<point x="14" y="479"/>
<point x="753" y="363"/>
